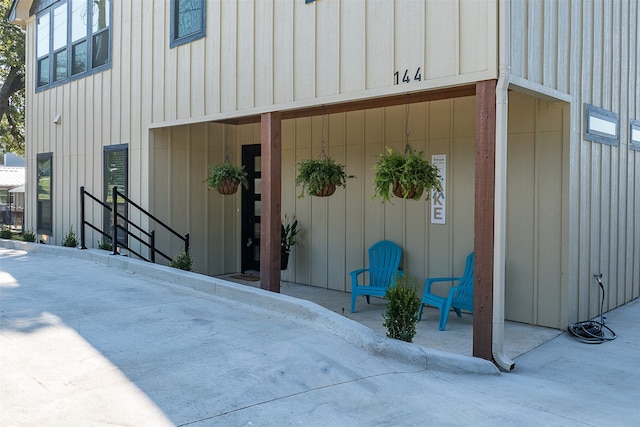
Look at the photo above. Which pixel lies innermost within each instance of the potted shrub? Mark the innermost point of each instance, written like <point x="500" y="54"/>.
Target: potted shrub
<point x="321" y="177"/>
<point x="226" y="178"/>
<point x="407" y="175"/>
<point x="288" y="232"/>
<point x="403" y="305"/>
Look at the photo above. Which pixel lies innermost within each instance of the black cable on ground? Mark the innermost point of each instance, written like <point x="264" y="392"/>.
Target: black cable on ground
<point x="593" y="331"/>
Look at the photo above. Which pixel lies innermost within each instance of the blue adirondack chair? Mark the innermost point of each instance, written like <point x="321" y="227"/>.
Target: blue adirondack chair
<point x="460" y="297"/>
<point x="384" y="261"/>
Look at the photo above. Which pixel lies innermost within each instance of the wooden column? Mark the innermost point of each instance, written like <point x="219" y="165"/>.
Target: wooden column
<point x="484" y="218"/>
<point x="271" y="164"/>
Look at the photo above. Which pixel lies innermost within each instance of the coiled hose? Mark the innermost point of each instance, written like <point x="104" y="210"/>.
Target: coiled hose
<point x="593" y="331"/>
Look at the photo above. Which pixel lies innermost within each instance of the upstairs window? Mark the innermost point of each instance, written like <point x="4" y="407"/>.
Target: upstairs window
<point x="73" y="38"/>
<point x="188" y="19"/>
<point x="635" y="135"/>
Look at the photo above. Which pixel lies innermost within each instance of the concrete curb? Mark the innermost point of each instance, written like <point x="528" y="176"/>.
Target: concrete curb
<point x="312" y="314"/>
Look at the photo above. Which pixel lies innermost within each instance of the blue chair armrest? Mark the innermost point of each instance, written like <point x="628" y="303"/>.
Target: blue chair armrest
<point x="355" y="273"/>
<point x="429" y="282"/>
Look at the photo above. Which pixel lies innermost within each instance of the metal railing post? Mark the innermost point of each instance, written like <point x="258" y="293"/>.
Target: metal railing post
<point x="114" y="221"/>
<point x="153" y="246"/>
<point x="186" y="243"/>
<point x="82" y="245"/>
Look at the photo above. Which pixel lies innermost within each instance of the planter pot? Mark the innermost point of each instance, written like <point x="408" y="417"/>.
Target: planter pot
<point x="284" y="260"/>
<point x="398" y="191"/>
<point x="228" y="187"/>
<point x="327" y="190"/>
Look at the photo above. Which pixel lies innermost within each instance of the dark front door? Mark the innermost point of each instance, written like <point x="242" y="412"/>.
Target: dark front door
<point x="251" y="200"/>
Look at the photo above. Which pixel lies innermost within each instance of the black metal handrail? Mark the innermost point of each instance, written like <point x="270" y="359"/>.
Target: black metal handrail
<point x="115" y="244"/>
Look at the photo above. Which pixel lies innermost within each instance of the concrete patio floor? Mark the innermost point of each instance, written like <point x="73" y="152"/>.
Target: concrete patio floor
<point x="519" y="338"/>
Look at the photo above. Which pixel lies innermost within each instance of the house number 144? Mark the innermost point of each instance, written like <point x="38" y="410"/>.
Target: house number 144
<point x="406" y="77"/>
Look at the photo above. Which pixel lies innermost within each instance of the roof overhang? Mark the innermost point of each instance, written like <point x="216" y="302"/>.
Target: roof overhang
<point x="19" y="12"/>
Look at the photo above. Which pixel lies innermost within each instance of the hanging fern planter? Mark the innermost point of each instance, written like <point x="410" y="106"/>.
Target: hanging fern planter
<point x="320" y="177"/>
<point x="226" y="178"/>
<point x="406" y="175"/>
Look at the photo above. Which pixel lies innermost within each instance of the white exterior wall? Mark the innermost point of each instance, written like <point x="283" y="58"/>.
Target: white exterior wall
<point x="589" y="53"/>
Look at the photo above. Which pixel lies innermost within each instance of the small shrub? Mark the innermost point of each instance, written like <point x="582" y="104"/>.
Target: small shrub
<point x="183" y="261"/>
<point x="29" y="236"/>
<point x="70" y="239"/>
<point x="403" y="305"/>
<point x="105" y="245"/>
<point x="5" y="232"/>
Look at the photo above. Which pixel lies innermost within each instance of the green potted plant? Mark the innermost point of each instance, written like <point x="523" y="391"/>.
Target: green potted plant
<point x="406" y="175"/>
<point x="321" y="177"/>
<point x="288" y="232"/>
<point x="226" y="178"/>
<point x="403" y="306"/>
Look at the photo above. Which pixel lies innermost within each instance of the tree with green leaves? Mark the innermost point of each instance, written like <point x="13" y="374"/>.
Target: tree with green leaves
<point x="12" y="75"/>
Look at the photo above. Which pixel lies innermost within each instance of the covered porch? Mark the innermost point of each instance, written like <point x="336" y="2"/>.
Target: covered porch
<point x="519" y="338"/>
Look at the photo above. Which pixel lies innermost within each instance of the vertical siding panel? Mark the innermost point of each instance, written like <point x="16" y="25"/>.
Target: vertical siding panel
<point x="379" y="48"/>
<point x="263" y="69"/>
<point x="283" y="51"/>
<point x="535" y="40"/>
<point x="336" y="229"/>
<point x="182" y="84"/>
<point x="228" y="56"/>
<point x="440" y="41"/>
<point x="374" y="144"/>
<point x="157" y="73"/>
<point x="125" y="76"/>
<point x="135" y="101"/>
<point x="212" y="62"/>
<point x="352" y="42"/>
<point x="551" y="43"/>
<point x="197" y="76"/>
<point x="563" y="28"/>
<point x="409" y="36"/>
<point x="355" y="192"/>
<point x="303" y="150"/>
<point x="474" y="45"/>
<point x="245" y="55"/>
<point x="519" y="40"/>
<point x="327" y="45"/>
<point x="197" y="195"/>
<point x="304" y="63"/>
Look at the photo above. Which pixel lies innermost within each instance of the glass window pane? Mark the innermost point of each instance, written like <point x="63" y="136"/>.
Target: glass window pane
<point x="44" y="211"/>
<point x="78" y="19"/>
<point x="43" y="71"/>
<point x="100" y="53"/>
<point x="189" y="17"/>
<point x="79" y="58"/>
<point x="42" y="30"/>
<point x="60" y="26"/>
<point x="60" y="65"/>
<point x="257" y="164"/>
<point x="100" y="13"/>
<point x="257" y="186"/>
<point x="257" y="208"/>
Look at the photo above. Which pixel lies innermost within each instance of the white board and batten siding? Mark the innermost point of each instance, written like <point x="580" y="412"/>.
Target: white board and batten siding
<point x="590" y="51"/>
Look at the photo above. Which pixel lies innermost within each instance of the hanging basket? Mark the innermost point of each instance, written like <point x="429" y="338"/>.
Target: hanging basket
<point x="399" y="191"/>
<point x="228" y="187"/>
<point x="328" y="189"/>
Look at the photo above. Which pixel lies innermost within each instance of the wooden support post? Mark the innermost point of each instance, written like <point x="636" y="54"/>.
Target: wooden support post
<point x="271" y="201"/>
<point x="484" y="218"/>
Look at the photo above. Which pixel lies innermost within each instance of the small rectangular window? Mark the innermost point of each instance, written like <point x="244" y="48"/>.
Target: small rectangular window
<point x="188" y="18"/>
<point x="601" y="125"/>
<point x="44" y="194"/>
<point x="116" y="174"/>
<point x="634" y="140"/>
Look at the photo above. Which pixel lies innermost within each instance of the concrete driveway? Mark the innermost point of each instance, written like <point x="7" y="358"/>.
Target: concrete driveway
<point x="90" y="339"/>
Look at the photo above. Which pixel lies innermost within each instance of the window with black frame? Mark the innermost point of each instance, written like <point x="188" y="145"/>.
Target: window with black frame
<point x="116" y="172"/>
<point x="188" y="19"/>
<point x="44" y="193"/>
<point x="73" y="38"/>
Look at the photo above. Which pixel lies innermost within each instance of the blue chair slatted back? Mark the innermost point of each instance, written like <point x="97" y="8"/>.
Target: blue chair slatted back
<point x="384" y="260"/>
